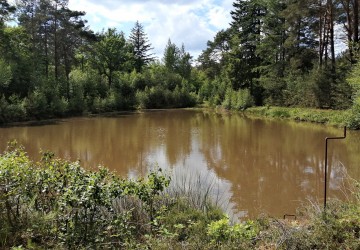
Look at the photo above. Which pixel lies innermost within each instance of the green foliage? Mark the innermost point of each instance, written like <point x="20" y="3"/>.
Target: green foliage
<point x="338" y="228"/>
<point x="5" y="74"/>
<point x="188" y="222"/>
<point x="112" y="53"/>
<point x="36" y="104"/>
<point x="331" y="117"/>
<point x="353" y="120"/>
<point x="214" y="91"/>
<point x="273" y="90"/>
<point x="171" y="56"/>
<point x="237" y="100"/>
<point x="221" y="231"/>
<point x="271" y="54"/>
<point x="141" y="47"/>
<point x="354" y="81"/>
<point x="124" y="91"/>
<point x="300" y="92"/>
<point x="55" y="202"/>
<point x="12" y="109"/>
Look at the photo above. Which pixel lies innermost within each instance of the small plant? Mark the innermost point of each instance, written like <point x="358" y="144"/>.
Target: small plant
<point x="221" y="231"/>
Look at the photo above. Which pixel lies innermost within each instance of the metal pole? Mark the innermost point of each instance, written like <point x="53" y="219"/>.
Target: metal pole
<point x="326" y="162"/>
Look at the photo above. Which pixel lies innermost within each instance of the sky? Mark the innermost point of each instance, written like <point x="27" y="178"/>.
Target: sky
<point x="188" y="22"/>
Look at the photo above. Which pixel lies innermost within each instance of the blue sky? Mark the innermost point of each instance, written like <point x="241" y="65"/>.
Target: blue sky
<point x="192" y="22"/>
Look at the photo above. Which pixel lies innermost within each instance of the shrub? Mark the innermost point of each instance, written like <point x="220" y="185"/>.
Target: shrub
<point x="237" y="100"/>
<point x="5" y="73"/>
<point x="55" y="202"/>
<point x="12" y="110"/>
<point x="354" y="118"/>
<point x="36" y="104"/>
<point x="242" y="233"/>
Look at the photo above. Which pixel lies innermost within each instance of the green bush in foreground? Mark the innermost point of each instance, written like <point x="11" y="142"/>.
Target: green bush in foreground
<point x="57" y="204"/>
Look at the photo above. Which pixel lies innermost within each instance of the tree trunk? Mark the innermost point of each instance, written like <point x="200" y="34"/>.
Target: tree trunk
<point x="356" y="21"/>
<point x="321" y="35"/>
<point x="56" y="56"/>
<point x="332" y="39"/>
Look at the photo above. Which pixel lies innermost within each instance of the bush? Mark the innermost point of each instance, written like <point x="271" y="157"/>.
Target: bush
<point x="12" y="110"/>
<point x="239" y="234"/>
<point x="154" y="97"/>
<point x="181" y="98"/>
<point x="36" y="104"/>
<point x="354" y="119"/>
<point x="214" y="92"/>
<point x="56" y="202"/>
<point x="353" y="80"/>
<point x="237" y="100"/>
<point x="300" y="91"/>
<point x="273" y="89"/>
<point x="5" y="74"/>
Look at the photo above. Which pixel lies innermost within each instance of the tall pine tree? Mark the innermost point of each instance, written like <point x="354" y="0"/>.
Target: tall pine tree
<point x="141" y="47"/>
<point x="243" y="60"/>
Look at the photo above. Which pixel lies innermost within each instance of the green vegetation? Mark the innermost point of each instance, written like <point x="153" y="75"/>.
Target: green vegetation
<point x="54" y="203"/>
<point x="338" y="118"/>
<point x="275" y="53"/>
<point x="53" y="65"/>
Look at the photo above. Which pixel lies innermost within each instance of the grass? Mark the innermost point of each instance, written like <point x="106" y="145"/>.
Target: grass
<point x="337" y="118"/>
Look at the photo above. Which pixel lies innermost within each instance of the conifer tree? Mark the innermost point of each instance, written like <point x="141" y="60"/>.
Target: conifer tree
<point x="141" y="47"/>
<point x="171" y="56"/>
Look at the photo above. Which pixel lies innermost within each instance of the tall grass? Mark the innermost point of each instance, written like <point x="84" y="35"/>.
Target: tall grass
<point x="201" y="190"/>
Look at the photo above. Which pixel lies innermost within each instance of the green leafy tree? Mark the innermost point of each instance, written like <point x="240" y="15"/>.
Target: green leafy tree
<point x="177" y="60"/>
<point x="350" y="18"/>
<point x="15" y="51"/>
<point x="5" y="10"/>
<point x="112" y="53"/>
<point x="141" y="47"/>
<point x="71" y="35"/>
<point x="55" y="32"/>
<point x="213" y="58"/>
<point x="5" y="74"/>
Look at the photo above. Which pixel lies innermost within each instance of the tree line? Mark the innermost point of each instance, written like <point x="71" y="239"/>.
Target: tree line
<point x="274" y="52"/>
<point x="284" y="53"/>
<point x="52" y="64"/>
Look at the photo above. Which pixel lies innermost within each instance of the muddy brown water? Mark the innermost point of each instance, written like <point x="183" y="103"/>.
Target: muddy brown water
<point x="254" y="166"/>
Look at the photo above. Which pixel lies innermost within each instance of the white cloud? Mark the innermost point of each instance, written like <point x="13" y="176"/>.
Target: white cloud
<point x="192" y="22"/>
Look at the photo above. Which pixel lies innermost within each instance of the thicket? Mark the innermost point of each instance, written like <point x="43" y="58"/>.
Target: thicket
<point x="55" y="203"/>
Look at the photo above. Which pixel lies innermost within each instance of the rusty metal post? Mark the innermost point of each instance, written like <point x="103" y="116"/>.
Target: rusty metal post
<point x="326" y="162"/>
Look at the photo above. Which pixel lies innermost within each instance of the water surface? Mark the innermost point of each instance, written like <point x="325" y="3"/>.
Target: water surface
<point x="256" y="166"/>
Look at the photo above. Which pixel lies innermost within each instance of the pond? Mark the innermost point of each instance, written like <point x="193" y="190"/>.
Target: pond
<point x="253" y="166"/>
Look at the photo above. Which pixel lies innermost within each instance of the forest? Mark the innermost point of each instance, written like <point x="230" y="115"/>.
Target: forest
<point x="275" y="56"/>
<point x="274" y="53"/>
